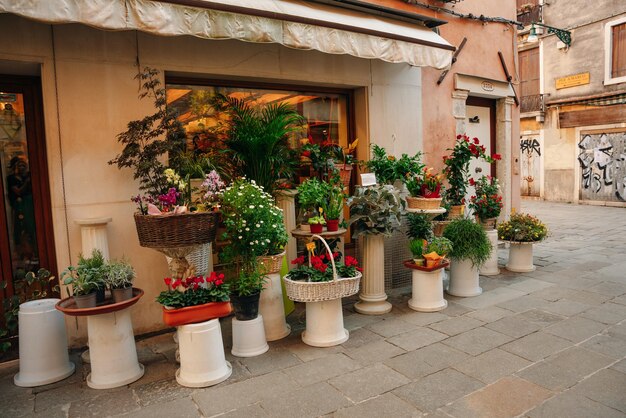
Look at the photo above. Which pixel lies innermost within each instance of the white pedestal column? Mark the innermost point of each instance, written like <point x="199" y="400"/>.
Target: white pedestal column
<point x="464" y="280"/>
<point x="112" y="350"/>
<point x="520" y="257"/>
<point x="428" y="291"/>
<point x="285" y="199"/>
<point x="373" y="299"/>
<point x="202" y="359"/>
<point x="490" y="268"/>
<point x="249" y="338"/>
<point x="324" y="324"/>
<point x="272" y="309"/>
<point x="93" y="234"/>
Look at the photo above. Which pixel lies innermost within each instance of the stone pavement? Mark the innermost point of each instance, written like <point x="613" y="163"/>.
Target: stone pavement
<point x="551" y="343"/>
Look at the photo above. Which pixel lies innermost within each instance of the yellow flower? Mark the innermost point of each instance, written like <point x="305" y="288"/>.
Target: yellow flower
<point x="353" y="145"/>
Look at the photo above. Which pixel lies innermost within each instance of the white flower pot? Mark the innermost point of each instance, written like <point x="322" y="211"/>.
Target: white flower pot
<point x="249" y="337"/>
<point x="373" y="299"/>
<point x="202" y="359"/>
<point x="463" y="279"/>
<point x="324" y="324"/>
<point x="43" y="344"/>
<point x="490" y="268"/>
<point x="272" y="309"/>
<point x="520" y="257"/>
<point x="427" y="291"/>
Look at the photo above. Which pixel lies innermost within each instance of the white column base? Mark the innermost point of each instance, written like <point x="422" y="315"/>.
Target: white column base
<point x="464" y="281"/>
<point x="112" y="351"/>
<point x="43" y="345"/>
<point x="249" y="338"/>
<point x="324" y="324"/>
<point x="520" y="257"/>
<point x="202" y="359"/>
<point x="490" y="268"/>
<point x="373" y="297"/>
<point x="428" y="291"/>
<point x="272" y="309"/>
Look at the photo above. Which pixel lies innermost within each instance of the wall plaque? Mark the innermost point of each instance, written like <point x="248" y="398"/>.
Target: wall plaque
<point x="572" y="81"/>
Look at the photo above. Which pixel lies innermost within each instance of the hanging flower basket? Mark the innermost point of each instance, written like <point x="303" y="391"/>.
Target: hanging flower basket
<point x="195" y="314"/>
<point x="180" y="230"/>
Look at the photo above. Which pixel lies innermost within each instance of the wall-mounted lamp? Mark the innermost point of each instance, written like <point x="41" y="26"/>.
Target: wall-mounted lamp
<point x="564" y="36"/>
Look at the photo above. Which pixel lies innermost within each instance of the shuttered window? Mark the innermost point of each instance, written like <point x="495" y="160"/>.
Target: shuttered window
<point x="529" y="72"/>
<point x="521" y="3"/>
<point x="618" y="57"/>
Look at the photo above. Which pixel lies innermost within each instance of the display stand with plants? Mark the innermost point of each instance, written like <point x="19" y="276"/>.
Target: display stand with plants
<point x="487" y="205"/>
<point x="321" y="283"/>
<point x="374" y="214"/>
<point x="248" y="330"/>
<point x="470" y="249"/>
<point x="521" y="231"/>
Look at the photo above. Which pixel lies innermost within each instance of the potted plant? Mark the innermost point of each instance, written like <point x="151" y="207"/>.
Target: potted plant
<point x="312" y="194"/>
<point x="316" y="223"/>
<point x="245" y="292"/>
<point x="194" y="299"/>
<point x="86" y="279"/>
<point x="521" y="231"/>
<point x="424" y="190"/>
<point x="441" y="221"/>
<point x="457" y="170"/>
<point x="390" y="170"/>
<point x="416" y="246"/>
<point x="333" y="206"/>
<point x="470" y="249"/>
<point x="487" y="202"/>
<point x="374" y="214"/>
<point x="119" y="278"/>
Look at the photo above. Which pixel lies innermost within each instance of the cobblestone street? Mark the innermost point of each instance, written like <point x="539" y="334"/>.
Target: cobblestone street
<point x="551" y="343"/>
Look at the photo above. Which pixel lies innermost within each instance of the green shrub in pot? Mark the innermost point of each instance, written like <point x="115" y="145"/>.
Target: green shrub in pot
<point x="119" y="278"/>
<point x="469" y="241"/>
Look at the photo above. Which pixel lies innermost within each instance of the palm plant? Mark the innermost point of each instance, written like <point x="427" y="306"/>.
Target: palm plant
<point x="257" y="139"/>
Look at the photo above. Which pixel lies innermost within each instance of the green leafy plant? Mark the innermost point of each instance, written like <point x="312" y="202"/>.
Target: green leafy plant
<point x="312" y="193"/>
<point x="316" y="220"/>
<point x="416" y="246"/>
<point x="375" y="210"/>
<point x="439" y="245"/>
<point x="333" y="205"/>
<point x="469" y="241"/>
<point x="323" y="157"/>
<point x="487" y="203"/>
<point x="419" y="226"/>
<point x="119" y="274"/>
<point x="194" y="290"/>
<point x="247" y="283"/>
<point x="88" y="275"/>
<point x="522" y="227"/>
<point x="389" y="169"/>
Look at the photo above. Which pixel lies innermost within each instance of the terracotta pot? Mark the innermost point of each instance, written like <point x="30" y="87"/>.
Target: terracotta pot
<point x="487" y="224"/>
<point x="317" y="228"/>
<point x="120" y="295"/>
<point x="85" y="301"/>
<point x="439" y="226"/>
<point x="332" y="225"/>
<point x="194" y="314"/>
<point x="245" y="307"/>
<point x="456" y="211"/>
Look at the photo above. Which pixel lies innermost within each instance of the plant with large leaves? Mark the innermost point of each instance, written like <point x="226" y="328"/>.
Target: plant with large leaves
<point x="257" y="139"/>
<point x="375" y="210"/>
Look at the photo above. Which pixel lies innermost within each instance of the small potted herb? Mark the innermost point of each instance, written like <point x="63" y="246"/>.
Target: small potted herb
<point x="86" y="279"/>
<point x="119" y="278"/>
<point x="416" y="246"/>
<point x="245" y="292"/>
<point x="316" y="223"/>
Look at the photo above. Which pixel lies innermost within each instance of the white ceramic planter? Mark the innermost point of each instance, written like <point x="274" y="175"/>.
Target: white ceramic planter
<point x="463" y="279"/>
<point x="112" y="350"/>
<point x="324" y="324"/>
<point x="428" y="291"/>
<point x="272" y="309"/>
<point x="249" y="337"/>
<point x="520" y="257"/>
<point x="490" y="268"/>
<point x="373" y="299"/>
<point x="202" y="359"/>
<point x="43" y="344"/>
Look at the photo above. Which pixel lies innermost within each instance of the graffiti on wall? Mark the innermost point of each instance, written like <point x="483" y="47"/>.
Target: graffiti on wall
<point x="602" y="160"/>
<point x="529" y="161"/>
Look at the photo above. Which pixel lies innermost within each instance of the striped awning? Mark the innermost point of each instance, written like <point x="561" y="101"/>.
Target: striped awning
<point x="604" y="100"/>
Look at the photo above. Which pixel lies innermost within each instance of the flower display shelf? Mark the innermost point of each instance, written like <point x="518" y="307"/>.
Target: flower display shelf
<point x="520" y="257"/>
<point x="112" y="347"/>
<point x="195" y="314"/>
<point x="308" y="235"/>
<point x="427" y="287"/>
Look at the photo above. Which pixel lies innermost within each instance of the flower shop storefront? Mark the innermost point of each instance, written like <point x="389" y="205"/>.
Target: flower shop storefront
<point x="338" y="72"/>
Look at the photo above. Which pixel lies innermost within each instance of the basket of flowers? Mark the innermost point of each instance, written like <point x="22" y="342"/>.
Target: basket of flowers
<point x="324" y="277"/>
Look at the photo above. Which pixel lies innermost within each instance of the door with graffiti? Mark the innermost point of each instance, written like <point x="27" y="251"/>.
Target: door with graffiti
<point x="530" y="168"/>
<point x="602" y="158"/>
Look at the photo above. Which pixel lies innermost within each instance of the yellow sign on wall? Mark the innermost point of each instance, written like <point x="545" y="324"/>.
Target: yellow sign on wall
<point x="572" y="81"/>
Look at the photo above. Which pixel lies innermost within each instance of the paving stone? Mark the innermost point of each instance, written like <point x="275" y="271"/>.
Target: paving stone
<point x="322" y="369"/>
<point x="368" y="382"/>
<point x="565" y="369"/>
<point x="508" y="397"/>
<point x="572" y="406"/>
<point x="163" y="370"/>
<point x="608" y="344"/>
<point x="374" y="352"/>
<point x="515" y="326"/>
<point x="361" y="337"/>
<point x="413" y="340"/>
<point x="541" y="318"/>
<point x="620" y="366"/>
<point x="250" y="411"/>
<point x="160" y="391"/>
<point x="576" y="329"/>
<point x="588" y="298"/>
<point x="424" y="318"/>
<point x="537" y="346"/>
<point x="524" y="303"/>
<point x="566" y="307"/>
<point x="62" y="395"/>
<point x="427" y="360"/>
<point x="221" y="399"/>
<point x="104" y="404"/>
<point x="611" y="289"/>
<point x="456" y="325"/>
<point x="595" y="388"/>
<point x="456" y="308"/>
<point x="490" y="314"/>
<point x="492" y="365"/>
<point x="311" y="401"/>
<point x="477" y="341"/>
<point x="307" y="353"/>
<point x="620" y="300"/>
<point x="356" y="321"/>
<point x="390" y="327"/>
<point x="387" y="405"/>
<point x="490" y="298"/>
<point x="438" y="389"/>
<point x="531" y="285"/>
<point x="183" y="408"/>
<point x="609" y="313"/>
<point x="553" y="293"/>
<point x="275" y="359"/>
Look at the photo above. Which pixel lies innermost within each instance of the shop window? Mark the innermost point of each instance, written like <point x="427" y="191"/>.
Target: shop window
<point x="615" y="51"/>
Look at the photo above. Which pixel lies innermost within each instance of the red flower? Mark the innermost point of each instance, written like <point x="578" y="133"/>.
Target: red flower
<point x="476" y="141"/>
<point x="459" y="136"/>
<point x="195" y="286"/>
<point x="219" y="282"/>
<point x="466" y="138"/>
<point x="306" y="153"/>
<point x="472" y="182"/>
<point x="176" y="283"/>
<point x="168" y="281"/>
<point x="299" y="260"/>
<point x="496" y="156"/>
<point x="359" y="269"/>
<point x="351" y="261"/>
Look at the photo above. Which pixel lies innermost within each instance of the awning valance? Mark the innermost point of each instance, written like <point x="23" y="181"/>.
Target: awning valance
<point x="295" y="24"/>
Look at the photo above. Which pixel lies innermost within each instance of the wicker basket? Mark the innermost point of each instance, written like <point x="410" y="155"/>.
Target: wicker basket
<point x="172" y="231"/>
<point x="423" y="202"/>
<point x="271" y="263"/>
<point x="338" y="287"/>
<point x="456" y="211"/>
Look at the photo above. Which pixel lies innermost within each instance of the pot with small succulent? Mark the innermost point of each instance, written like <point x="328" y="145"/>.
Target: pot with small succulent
<point x="521" y="231"/>
<point x="119" y="276"/>
<point x="85" y="279"/>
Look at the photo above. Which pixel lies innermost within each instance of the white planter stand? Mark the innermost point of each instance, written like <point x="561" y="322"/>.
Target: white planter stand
<point x="373" y="299"/>
<point x="43" y="344"/>
<point x="249" y="338"/>
<point x="324" y="324"/>
<point x="464" y="280"/>
<point x="490" y="268"/>
<point x="272" y="309"/>
<point x="202" y="359"/>
<point x="428" y="291"/>
<point x="520" y="257"/>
